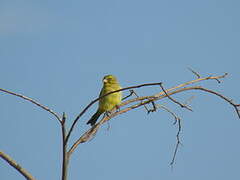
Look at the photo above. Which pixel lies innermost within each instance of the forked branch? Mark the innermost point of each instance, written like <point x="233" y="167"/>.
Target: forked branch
<point x="134" y="103"/>
<point x="34" y="102"/>
<point x="141" y="101"/>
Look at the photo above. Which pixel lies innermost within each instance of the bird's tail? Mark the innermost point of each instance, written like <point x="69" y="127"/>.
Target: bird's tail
<point x="94" y="118"/>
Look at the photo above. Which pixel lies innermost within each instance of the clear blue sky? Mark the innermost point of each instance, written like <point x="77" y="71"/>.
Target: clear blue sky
<point x="57" y="53"/>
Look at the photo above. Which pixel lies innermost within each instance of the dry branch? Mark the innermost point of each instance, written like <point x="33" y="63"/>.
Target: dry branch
<point x="141" y="101"/>
<point x="178" y="122"/>
<point x="135" y="103"/>
<point x="134" y="100"/>
<point x="15" y="165"/>
<point x="97" y="99"/>
<point x="175" y="101"/>
<point x="34" y="102"/>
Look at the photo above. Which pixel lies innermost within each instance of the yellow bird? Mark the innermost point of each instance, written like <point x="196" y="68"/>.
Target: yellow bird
<point x="110" y="101"/>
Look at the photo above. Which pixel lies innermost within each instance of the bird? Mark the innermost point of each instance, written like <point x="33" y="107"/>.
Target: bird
<point x="107" y="103"/>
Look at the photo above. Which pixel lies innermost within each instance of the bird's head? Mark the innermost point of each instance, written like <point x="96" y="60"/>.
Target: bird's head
<point x="110" y="79"/>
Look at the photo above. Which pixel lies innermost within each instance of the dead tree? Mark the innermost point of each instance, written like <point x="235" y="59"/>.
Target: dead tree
<point x="129" y="103"/>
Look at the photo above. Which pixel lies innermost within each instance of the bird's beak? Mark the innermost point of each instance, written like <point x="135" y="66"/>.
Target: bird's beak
<point x="105" y="80"/>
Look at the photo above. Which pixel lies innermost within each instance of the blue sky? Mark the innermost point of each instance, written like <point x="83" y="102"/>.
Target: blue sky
<point x="57" y="53"/>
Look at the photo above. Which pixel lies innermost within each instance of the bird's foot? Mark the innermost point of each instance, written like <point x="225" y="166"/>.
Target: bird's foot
<point x="117" y="108"/>
<point x="108" y="113"/>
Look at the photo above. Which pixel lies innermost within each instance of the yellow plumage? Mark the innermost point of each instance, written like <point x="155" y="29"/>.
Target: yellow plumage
<point x="110" y="101"/>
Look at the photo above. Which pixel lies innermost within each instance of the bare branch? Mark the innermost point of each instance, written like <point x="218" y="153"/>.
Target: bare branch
<point x="138" y="97"/>
<point x="139" y="86"/>
<point x="34" y="102"/>
<point x="147" y="99"/>
<point x="192" y="82"/>
<point x="175" y="101"/>
<point x="139" y="101"/>
<point x="176" y="118"/>
<point x="15" y="165"/>
<point x="178" y="141"/>
<point x="178" y="121"/>
<point x="236" y="106"/>
<point x="97" y="99"/>
<point x="65" y="157"/>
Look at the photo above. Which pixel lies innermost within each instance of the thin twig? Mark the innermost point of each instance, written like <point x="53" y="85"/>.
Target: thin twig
<point x="154" y="108"/>
<point x="169" y="111"/>
<point x="175" y="101"/>
<point x="130" y="94"/>
<point x="16" y="166"/>
<point x="192" y="82"/>
<point x="236" y="106"/>
<point x="34" y="102"/>
<point x="194" y="72"/>
<point x="178" y="141"/>
<point x="138" y="97"/>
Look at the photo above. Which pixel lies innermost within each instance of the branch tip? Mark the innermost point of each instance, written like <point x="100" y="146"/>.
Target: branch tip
<point x="63" y="118"/>
<point x="194" y="72"/>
